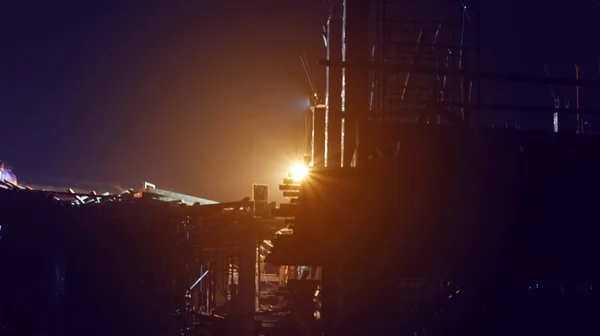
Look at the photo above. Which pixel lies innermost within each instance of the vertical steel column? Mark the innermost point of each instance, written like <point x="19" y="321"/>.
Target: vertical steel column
<point x="343" y="92"/>
<point x="319" y="136"/>
<point x="579" y="122"/>
<point x="257" y="278"/>
<point x="357" y="86"/>
<point x="245" y="300"/>
<point x="333" y="152"/>
<point x="466" y="110"/>
<point x="477" y="59"/>
<point x="556" y="99"/>
<point x="326" y="111"/>
<point x="201" y="287"/>
<point x="308" y="136"/>
<point x="213" y="283"/>
<point x="220" y="279"/>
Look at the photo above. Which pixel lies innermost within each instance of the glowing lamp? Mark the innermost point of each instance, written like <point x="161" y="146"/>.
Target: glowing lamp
<point x="298" y="172"/>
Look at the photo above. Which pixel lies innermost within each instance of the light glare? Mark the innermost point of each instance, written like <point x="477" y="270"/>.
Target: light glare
<point x="298" y="172"/>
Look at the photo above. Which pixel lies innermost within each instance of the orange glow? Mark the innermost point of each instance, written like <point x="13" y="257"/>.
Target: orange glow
<point x="298" y="172"/>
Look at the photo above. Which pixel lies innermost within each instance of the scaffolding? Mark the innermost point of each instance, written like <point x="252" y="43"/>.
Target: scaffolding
<point x="383" y="70"/>
<point x="379" y="68"/>
<point x="382" y="73"/>
<point x="402" y="50"/>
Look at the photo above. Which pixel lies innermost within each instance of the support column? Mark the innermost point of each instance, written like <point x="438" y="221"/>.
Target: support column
<point x="334" y="86"/>
<point x="221" y="276"/>
<point x="357" y="23"/>
<point x="319" y="136"/>
<point x="257" y="277"/>
<point x="245" y="301"/>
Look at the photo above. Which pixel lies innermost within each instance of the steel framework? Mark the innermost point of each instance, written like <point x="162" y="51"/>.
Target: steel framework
<point x="382" y="69"/>
<point x="429" y="211"/>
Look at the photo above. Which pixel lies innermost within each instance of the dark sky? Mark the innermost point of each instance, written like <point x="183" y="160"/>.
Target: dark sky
<point x="203" y="97"/>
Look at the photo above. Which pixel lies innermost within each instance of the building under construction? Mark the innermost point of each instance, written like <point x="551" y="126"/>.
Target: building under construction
<point x="147" y="261"/>
<point x="413" y="218"/>
<point x="420" y="218"/>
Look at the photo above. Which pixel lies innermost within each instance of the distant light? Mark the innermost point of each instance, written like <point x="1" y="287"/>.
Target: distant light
<point x="298" y="172"/>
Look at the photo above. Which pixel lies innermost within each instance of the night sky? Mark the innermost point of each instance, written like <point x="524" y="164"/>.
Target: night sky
<point x="207" y="97"/>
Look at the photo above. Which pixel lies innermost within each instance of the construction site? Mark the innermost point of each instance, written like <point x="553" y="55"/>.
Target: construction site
<point x="407" y="215"/>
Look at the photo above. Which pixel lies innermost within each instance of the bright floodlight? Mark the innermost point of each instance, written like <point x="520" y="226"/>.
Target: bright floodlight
<point x="299" y="172"/>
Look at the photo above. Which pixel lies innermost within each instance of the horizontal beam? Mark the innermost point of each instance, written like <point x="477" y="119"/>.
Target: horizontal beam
<point x="430" y="45"/>
<point x="427" y="106"/>
<point x="498" y="76"/>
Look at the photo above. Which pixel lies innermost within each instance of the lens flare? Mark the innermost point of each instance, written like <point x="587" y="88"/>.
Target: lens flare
<point x="298" y="172"/>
